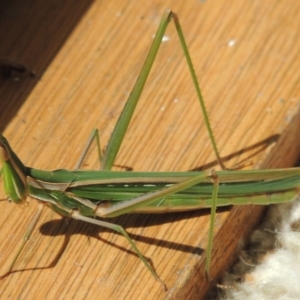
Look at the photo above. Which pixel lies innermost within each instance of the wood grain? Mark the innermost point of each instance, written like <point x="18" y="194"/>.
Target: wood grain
<point x="87" y="57"/>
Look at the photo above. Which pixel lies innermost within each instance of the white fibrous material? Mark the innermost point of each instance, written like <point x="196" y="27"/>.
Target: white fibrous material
<point x="270" y="267"/>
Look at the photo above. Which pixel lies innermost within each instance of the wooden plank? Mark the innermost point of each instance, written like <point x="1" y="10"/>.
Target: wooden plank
<point x="87" y="59"/>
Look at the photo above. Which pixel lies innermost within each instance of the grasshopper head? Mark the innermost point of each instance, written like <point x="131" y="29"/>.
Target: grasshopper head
<point x="13" y="172"/>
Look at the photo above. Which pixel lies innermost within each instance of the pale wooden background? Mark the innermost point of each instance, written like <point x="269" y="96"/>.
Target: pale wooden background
<point x="87" y="56"/>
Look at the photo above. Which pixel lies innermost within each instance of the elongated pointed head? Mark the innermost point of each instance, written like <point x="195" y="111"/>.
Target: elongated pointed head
<point x="13" y="172"/>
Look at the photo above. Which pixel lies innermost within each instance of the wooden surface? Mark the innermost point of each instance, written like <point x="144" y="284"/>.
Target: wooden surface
<point x="87" y="57"/>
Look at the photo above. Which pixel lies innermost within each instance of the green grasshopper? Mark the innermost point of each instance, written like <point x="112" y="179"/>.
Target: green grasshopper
<point x="88" y="194"/>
